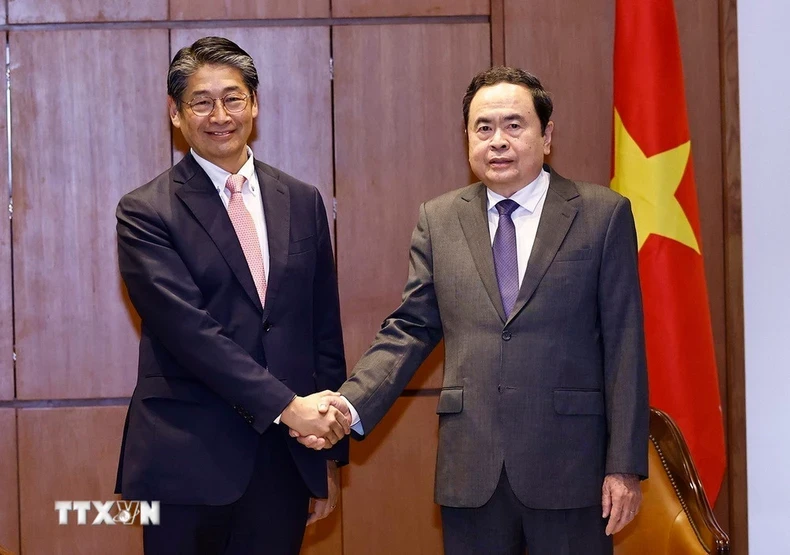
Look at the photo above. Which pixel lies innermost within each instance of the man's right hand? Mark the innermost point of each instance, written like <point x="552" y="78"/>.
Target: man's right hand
<point x="303" y="416"/>
<point x="326" y="404"/>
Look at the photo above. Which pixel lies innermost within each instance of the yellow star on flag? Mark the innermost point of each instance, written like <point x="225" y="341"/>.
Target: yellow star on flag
<point x="650" y="185"/>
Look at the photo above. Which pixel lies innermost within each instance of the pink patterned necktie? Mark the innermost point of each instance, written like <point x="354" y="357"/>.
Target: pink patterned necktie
<point x="245" y="230"/>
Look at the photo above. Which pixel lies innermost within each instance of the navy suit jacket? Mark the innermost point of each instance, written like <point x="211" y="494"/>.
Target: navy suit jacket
<point x="216" y="368"/>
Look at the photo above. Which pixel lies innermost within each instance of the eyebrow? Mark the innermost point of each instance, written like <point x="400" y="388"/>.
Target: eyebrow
<point x="509" y="117"/>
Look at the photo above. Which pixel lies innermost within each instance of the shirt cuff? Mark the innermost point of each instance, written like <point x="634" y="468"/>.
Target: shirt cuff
<point x="356" y="425"/>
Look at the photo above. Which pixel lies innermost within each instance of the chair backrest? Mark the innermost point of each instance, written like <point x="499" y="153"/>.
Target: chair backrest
<point x="675" y="517"/>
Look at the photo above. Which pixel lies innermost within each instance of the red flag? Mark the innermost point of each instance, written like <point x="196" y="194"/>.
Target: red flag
<point x="652" y="166"/>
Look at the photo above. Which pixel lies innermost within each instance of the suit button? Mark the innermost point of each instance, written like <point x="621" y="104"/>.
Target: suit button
<point x="506" y="335"/>
<point x="267" y="326"/>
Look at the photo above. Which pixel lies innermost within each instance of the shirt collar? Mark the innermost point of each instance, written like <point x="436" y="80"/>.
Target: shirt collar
<point x="527" y="197"/>
<point x="219" y="177"/>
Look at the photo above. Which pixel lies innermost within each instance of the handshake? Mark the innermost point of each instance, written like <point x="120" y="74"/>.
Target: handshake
<point x="318" y="421"/>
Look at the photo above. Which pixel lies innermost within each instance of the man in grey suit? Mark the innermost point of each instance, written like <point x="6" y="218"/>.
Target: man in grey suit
<point x="532" y="281"/>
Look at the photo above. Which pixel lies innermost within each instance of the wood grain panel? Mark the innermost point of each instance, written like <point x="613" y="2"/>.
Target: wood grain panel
<point x="497" y="32"/>
<point x="388" y="506"/>
<point x="409" y="8"/>
<point x="77" y="11"/>
<point x="733" y="240"/>
<point x="70" y="454"/>
<point x="569" y="46"/>
<point x="87" y="129"/>
<point x="9" y="506"/>
<point x="6" y="298"/>
<point x="326" y="536"/>
<point x="248" y="9"/>
<point x="293" y="131"/>
<point x="398" y="142"/>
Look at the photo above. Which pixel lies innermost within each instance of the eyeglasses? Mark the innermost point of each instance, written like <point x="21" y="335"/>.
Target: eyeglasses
<point x="203" y="106"/>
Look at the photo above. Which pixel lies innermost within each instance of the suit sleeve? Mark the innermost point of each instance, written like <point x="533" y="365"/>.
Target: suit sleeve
<point x="622" y="329"/>
<point x="328" y="335"/>
<point x="405" y="340"/>
<point x="170" y="304"/>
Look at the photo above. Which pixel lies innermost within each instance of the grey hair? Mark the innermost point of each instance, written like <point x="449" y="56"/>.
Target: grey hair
<point x="209" y="51"/>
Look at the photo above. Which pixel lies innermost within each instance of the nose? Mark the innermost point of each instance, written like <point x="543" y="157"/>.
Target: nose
<point x="499" y="141"/>
<point x="219" y="113"/>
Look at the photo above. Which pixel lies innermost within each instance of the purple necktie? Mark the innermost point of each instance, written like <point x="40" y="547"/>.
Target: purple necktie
<point x="505" y="255"/>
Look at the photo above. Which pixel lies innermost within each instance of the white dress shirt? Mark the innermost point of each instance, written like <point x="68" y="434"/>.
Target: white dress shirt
<point x="526" y="218"/>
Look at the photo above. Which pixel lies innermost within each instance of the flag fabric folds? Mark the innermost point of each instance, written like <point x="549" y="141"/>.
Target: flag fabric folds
<point x="652" y="166"/>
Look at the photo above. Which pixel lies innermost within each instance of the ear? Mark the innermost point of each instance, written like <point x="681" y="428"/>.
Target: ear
<point x="547" y="138"/>
<point x="172" y="109"/>
<point x="254" y="105"/>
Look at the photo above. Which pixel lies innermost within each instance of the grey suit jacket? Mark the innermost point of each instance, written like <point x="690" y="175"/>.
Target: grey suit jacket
<point x="557" y="393"/>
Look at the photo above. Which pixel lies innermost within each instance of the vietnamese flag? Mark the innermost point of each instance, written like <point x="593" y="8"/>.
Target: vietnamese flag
<point x="652" y="166"/>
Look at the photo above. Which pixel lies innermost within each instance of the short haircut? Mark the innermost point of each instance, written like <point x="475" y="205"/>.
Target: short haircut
<point x="217" y="51"/>
<point x="503" y="74"/>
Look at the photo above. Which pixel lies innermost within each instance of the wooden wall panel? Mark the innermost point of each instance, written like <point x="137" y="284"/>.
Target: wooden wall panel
<point x="293" y="131"/>
<point x="388" y="506"/>
<point x="77" y="11"/>
<point x="326" y="536"/>
<point x="409" y="8"/>
<point x="733" y="238"/>
<point x="398" y="142"/>
<point x="6" y="299"/>
<point x="569" y="46"/>
<point x="87" y="129"/>
<point x="248" y="9"/>
<point x="9" y="507"/>
<point x="70" y="454"/>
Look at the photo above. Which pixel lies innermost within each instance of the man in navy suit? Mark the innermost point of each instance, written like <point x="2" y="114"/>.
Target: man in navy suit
<point x="229" y="263"/>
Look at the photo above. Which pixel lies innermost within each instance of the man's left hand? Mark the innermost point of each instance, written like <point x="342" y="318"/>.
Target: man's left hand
<point x="323" y="507"/>
<point x="622" y="495"/>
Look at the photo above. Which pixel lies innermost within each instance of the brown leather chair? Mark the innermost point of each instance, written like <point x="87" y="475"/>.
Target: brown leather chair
<point x="675" y="517"/>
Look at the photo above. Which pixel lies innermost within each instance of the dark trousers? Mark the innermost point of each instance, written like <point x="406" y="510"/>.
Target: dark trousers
<point x="269" y="518"/>
<point x="504" y="526"/>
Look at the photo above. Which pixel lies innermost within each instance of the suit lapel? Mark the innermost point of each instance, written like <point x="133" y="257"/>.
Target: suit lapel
<point x="277" y="211"/>
<point x="472" y="205"/>
<point x="555" y="221"/>
<point x="201" y="198"/>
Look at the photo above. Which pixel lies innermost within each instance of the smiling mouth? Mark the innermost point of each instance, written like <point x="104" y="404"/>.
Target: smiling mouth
<point x="219" y="133"/>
